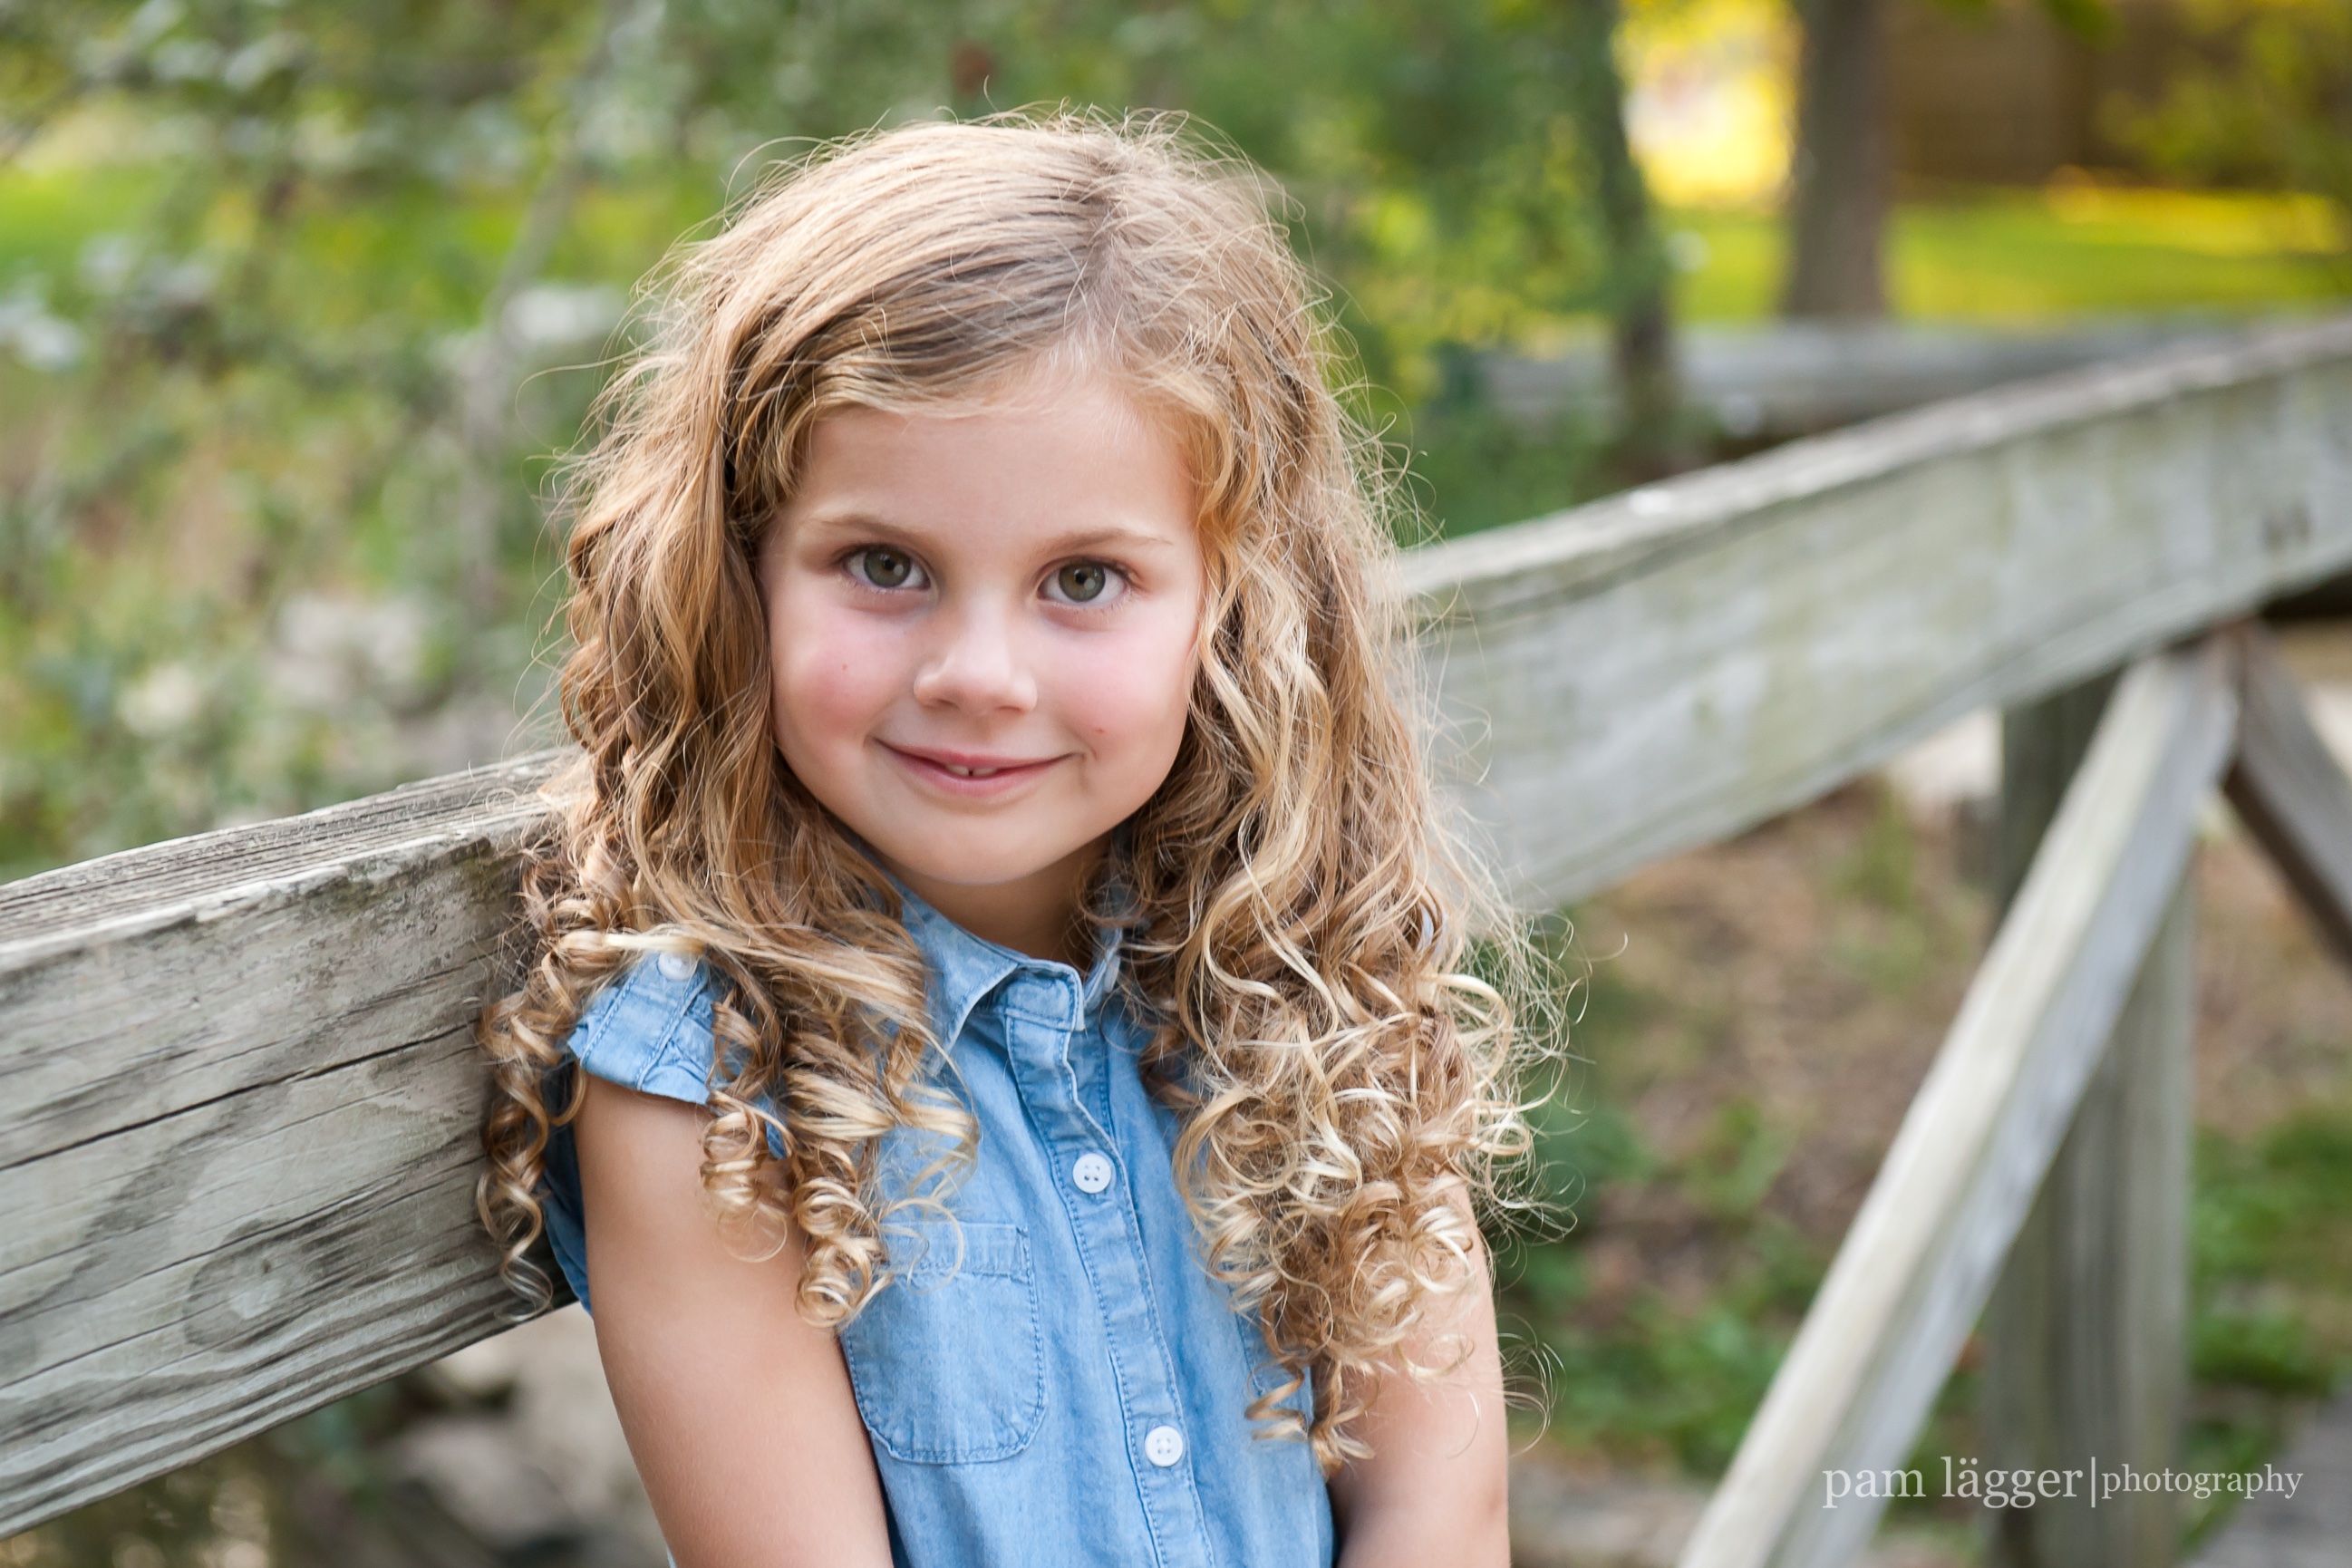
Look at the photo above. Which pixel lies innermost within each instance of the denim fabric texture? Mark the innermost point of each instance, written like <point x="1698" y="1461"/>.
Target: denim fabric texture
<point x="1051" y="1376"/>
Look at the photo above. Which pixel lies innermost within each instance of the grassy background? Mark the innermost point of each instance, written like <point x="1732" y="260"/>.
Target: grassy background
<point x="2004" y="260"/>
<point x="2023" y="257"/>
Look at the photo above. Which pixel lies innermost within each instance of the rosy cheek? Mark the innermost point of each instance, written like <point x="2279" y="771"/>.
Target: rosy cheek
<point x="1127" y="699"/>
<point x="834" y="675"/>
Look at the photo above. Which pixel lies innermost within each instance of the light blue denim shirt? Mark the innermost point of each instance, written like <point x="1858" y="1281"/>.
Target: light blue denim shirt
<point x="1075" y="1389"/>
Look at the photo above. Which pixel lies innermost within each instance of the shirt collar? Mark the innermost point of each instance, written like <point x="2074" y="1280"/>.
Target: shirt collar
<point x="966" y="968"/>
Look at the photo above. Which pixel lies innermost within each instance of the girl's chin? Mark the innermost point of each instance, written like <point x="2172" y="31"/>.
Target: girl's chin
<point x="991" y="857"/>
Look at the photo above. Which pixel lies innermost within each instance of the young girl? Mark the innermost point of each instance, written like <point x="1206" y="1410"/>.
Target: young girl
<point x="1031" y="1101"/>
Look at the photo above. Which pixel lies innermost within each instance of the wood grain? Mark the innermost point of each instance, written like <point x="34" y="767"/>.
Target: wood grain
<point x="2291" y="796"/>
<point x="188" y="1031"/>
<point x="2085" y="1339"/>
<point x="241" y="1134"/>
<point x="1657" y="671"/>
<point x="1923" y="1252"/>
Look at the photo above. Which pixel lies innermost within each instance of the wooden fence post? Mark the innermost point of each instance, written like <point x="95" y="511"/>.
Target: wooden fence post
<point x="2085" y="1335"/>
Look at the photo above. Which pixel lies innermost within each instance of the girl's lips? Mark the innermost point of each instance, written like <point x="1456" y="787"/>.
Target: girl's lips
<point x="968" y="774"/>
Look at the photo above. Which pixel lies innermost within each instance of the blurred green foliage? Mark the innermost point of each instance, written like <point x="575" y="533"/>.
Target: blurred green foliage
<point x="2274" y="1251"/>
<point x="324" y="1490"/>
<point x="285" y="287"/>
<point x="2266" y="101"/>
<point x="299" y="299"/>
<point x="1654" y="1291"/>
<point x="2271" y="1324"/>
<point x="1638" y="1374"/>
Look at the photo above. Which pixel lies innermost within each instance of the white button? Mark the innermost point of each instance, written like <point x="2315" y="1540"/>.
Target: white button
<point x="1092" y="1173"/>
<point x="674" y="966"/>
<point x="1163" y="1446"/>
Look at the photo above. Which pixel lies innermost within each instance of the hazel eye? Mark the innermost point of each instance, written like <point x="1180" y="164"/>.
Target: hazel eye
<point x="879" y="567"/>
<point x="1082" y="582"/>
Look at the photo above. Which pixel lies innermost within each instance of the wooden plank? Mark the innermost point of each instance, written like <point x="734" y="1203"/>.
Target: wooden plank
<point x="2084" y="1337"/>
<point x="1787" y="378"/>
<point x="242" y="1127"/>
<point x="1922" y="1255"/>
<point x="1659" y="670"/>
<point x="2291" y="794"/>
<point x="1674" y="665"/>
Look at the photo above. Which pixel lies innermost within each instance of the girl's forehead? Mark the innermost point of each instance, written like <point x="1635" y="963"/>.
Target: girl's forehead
<point x="1051" y="382"/>
<point x="1054" y="457"/>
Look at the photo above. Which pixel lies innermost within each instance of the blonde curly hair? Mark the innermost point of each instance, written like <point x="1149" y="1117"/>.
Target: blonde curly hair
<point x="1299" y="922"/>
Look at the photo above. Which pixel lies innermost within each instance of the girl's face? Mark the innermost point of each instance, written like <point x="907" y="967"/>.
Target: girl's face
<point x="982" y="624"/>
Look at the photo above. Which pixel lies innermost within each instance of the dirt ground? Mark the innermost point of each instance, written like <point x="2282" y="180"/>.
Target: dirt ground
<point x="1759" y="1013"/>
<point x="1780" y="970"/>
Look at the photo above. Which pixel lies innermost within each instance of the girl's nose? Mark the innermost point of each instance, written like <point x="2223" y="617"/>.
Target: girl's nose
<point x="976" y="667"/>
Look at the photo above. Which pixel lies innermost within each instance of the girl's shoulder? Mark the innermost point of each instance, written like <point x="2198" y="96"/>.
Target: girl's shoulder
<point x="650" y="1030"/>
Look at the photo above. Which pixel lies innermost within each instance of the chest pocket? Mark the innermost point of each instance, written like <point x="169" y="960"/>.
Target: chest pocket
<point x="945" y="1360"/>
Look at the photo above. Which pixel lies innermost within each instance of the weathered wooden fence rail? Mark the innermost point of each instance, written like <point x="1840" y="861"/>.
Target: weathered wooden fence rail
<point x="1663" y="669"/>
<point x="1922" y="1255"/>
<point x="237" y="1143"/>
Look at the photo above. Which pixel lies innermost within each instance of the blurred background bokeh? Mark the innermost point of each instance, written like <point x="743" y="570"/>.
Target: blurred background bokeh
<point x="301" y="302"/>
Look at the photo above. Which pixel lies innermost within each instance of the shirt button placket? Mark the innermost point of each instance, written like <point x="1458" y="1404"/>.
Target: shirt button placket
<point x="1109" y="1235"/>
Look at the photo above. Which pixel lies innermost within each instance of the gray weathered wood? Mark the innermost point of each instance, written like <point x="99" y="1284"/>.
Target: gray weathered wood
<point x="1654" y="672"/>
<point x="1787" y="377"/>
<point x="2291" y="796"/>
<point x="2304" y="1528"/>
<point x="242" y="1127"/>
<point x="2086" y="1334"/>
<point x="183" y="1028"/>
<point x="1956" y="1184"/>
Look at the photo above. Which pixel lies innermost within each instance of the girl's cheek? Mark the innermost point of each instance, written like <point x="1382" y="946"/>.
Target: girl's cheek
<point x="1134" y="697"/>
<point x="836" y="674"/>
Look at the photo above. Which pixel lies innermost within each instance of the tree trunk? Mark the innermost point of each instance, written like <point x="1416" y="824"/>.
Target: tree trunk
<point x="1642" y="337"/>
<point x="1837" y="215"/>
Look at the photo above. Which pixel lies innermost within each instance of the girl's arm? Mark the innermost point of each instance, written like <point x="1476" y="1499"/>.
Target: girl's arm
<point x="738" y="1413"/>
<point x="1435" y="1486"/>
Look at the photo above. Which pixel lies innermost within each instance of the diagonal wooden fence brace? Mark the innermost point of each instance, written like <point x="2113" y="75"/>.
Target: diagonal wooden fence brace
<point x="2291" y="793"/>
<point x="1922" y="1255"/>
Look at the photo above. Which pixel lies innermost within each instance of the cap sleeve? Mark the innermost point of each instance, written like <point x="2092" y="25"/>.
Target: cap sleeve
<point x="651" y="1030"/>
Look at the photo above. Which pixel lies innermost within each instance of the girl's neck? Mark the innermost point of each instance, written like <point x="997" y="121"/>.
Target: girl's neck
<point x="1040" y="915"/>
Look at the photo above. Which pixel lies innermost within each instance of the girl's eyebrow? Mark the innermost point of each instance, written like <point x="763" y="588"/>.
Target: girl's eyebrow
<point x="1106" y="536"/>
<point x="1114" y="534"/>
<point x="849" y="520"/>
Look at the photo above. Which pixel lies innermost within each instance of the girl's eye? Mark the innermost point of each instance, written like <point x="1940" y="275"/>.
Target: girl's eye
<point x="879" y="567"/>
<point x="1081" y="582"/>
